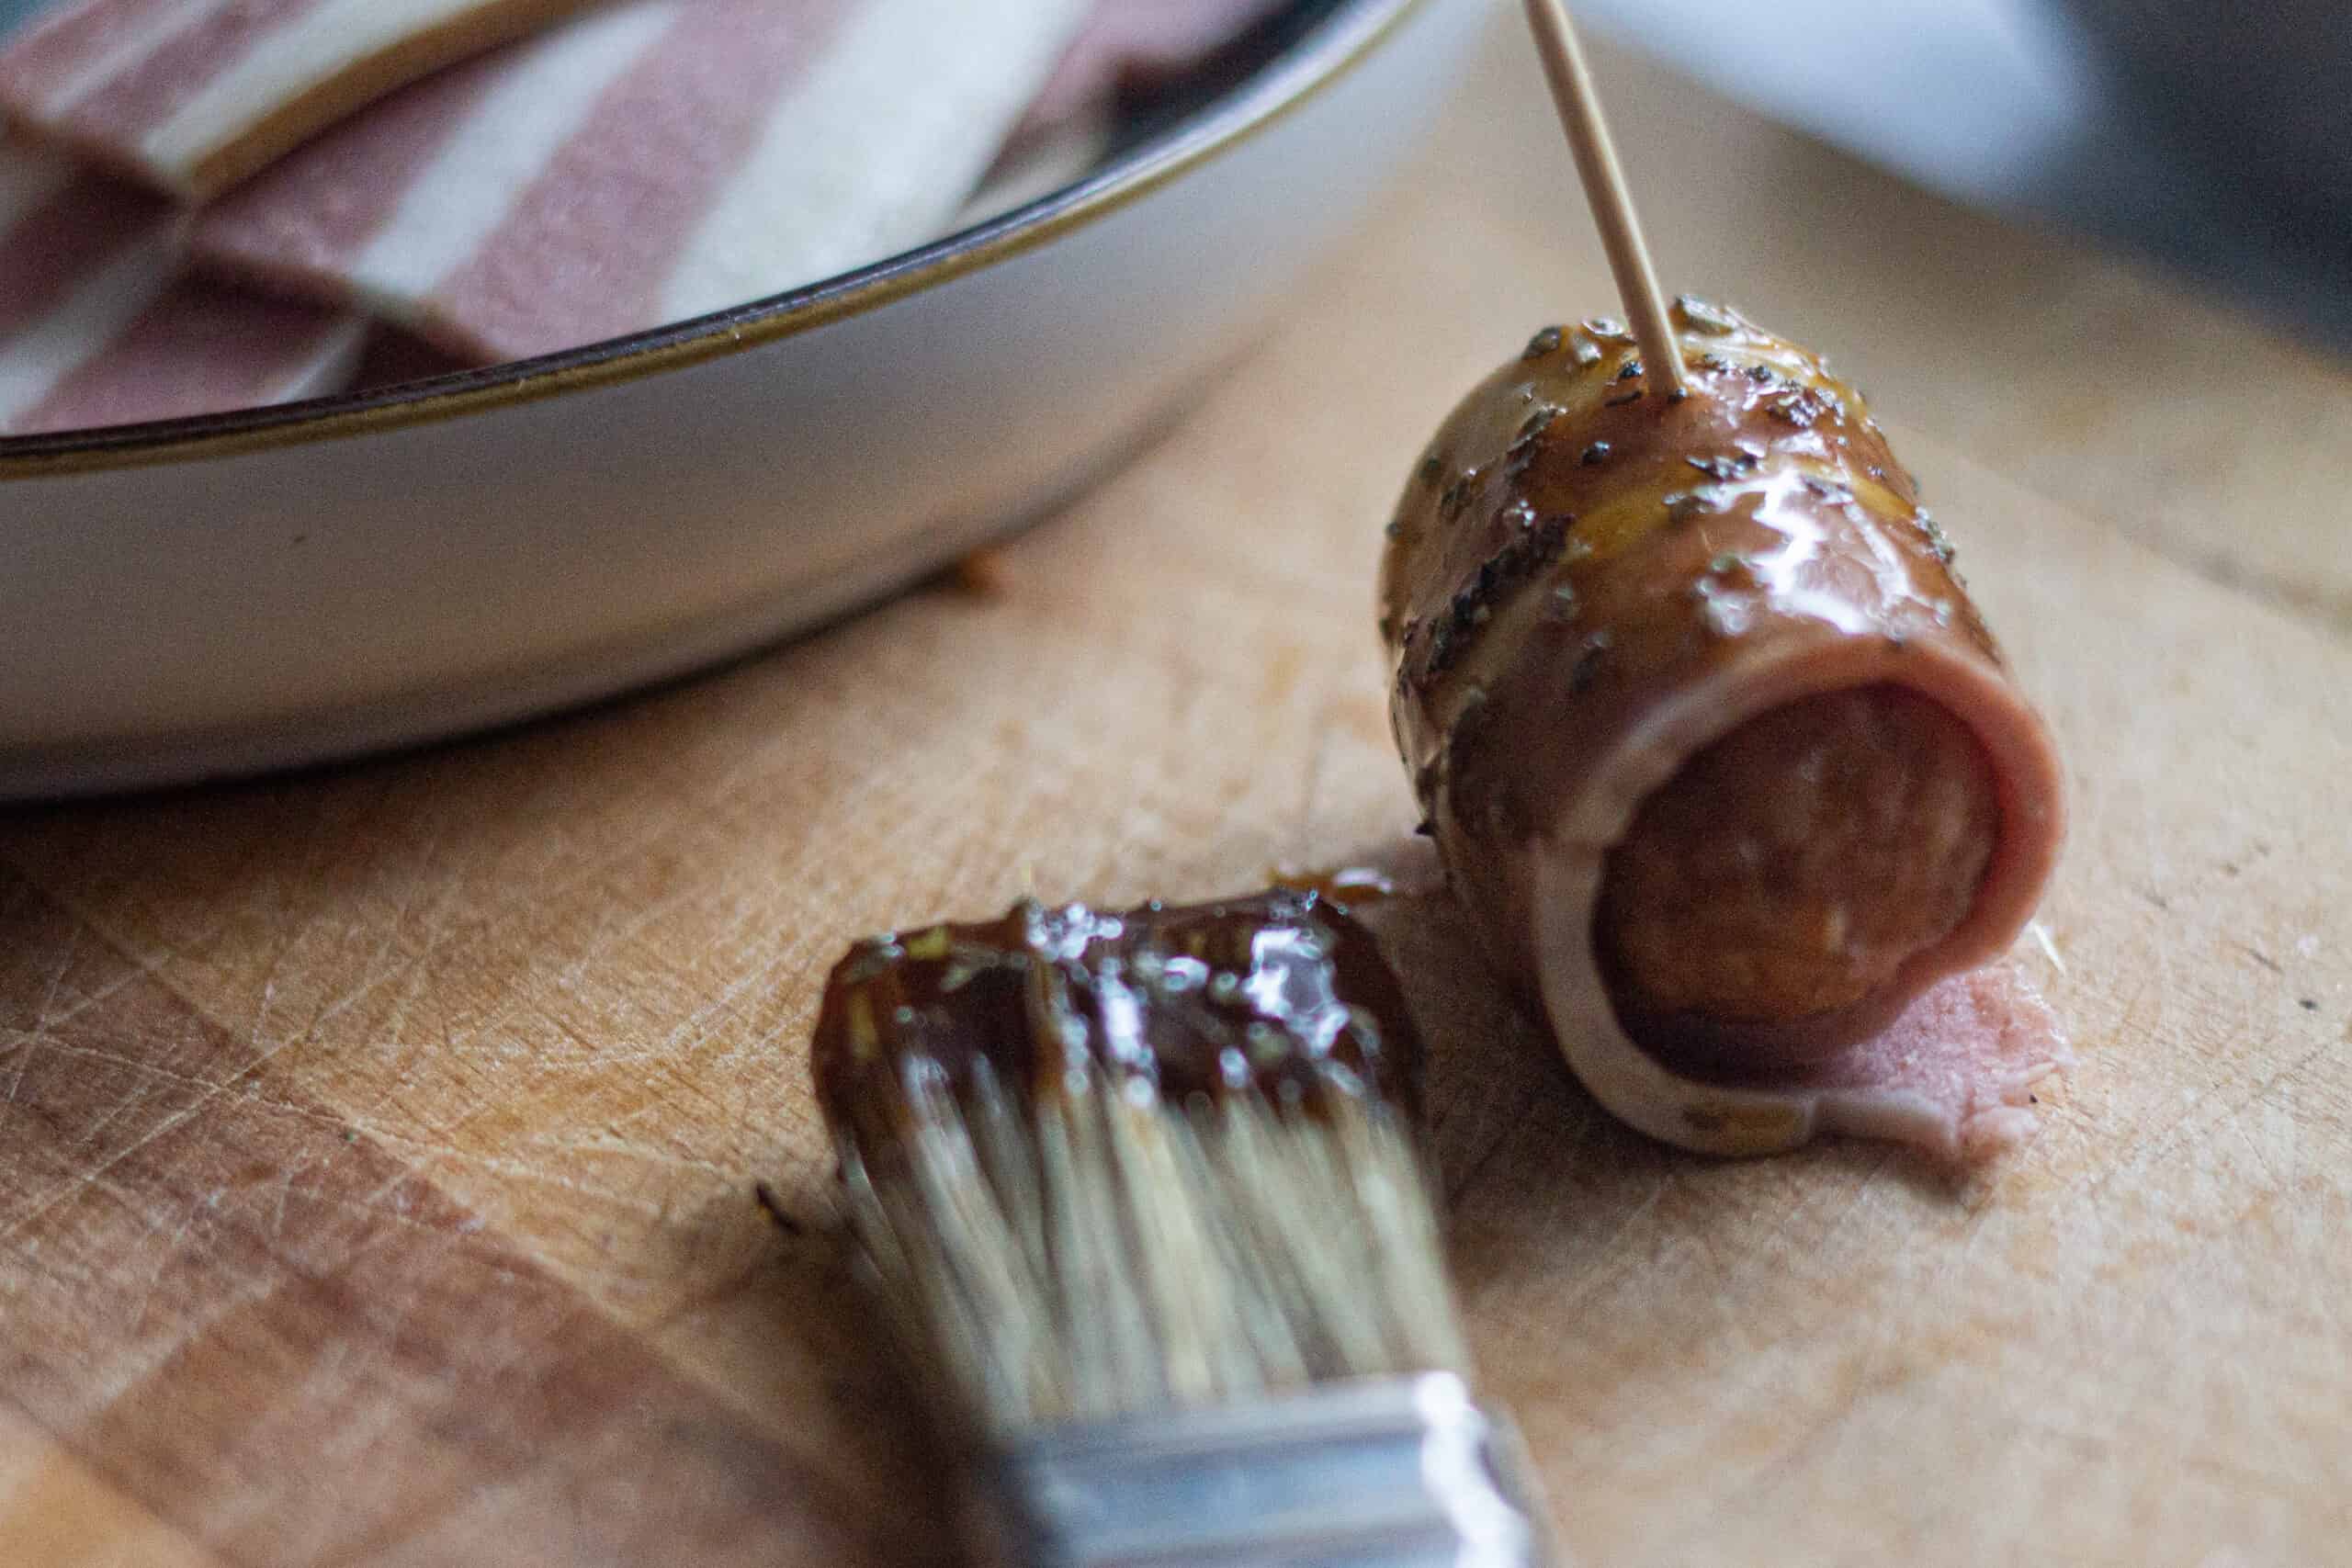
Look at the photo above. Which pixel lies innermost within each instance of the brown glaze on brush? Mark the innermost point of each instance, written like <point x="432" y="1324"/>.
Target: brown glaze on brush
<point x="1711" y="655"/>
<point x="1141" y="1197"/>
<point x="1281" y="996"/>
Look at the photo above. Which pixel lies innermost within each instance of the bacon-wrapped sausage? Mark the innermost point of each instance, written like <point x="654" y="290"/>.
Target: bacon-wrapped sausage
<point x="1711" y="739"/>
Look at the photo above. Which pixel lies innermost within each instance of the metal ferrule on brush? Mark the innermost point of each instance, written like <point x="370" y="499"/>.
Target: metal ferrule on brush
<point x="1377" y="1472"/>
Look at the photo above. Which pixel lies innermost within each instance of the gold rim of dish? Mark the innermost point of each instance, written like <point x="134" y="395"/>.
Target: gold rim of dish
<point x="1328" y="53"/>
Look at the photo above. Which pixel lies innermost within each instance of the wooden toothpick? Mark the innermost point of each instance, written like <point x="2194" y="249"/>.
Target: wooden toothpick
<point x="1604" y="188"/>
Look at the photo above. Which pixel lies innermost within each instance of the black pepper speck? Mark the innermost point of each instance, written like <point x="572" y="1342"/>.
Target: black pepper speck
<point x="1432" y="649"/>
<point x="1588" y="662"/>
<point x="1683" y="505"/>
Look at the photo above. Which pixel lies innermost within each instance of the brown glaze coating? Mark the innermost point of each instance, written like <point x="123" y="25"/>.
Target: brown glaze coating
<point x="1280" y="995"/>
<point x="1582" y="583"/>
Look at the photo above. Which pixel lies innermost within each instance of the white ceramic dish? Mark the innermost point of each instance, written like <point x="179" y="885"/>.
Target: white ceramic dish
<point x="198" y="598"/>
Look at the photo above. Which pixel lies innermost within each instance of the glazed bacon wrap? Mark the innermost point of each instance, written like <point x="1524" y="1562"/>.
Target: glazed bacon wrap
<point x="1714" y="743"/>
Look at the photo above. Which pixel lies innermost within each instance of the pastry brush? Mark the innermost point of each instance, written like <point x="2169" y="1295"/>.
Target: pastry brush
<point x="1141" y="1197"/>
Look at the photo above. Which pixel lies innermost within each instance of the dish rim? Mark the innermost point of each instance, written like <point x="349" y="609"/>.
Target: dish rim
<point x="1327" y="52"/>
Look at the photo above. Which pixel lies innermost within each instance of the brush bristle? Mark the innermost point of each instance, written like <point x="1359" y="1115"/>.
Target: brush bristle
<point x="1105" y="1166"/>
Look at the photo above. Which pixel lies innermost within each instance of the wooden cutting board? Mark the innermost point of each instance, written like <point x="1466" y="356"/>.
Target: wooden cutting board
<point x="377" y="1147"/>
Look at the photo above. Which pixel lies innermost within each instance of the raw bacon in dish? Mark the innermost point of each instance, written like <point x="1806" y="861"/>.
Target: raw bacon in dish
<point x="1716" y="749"/>
<point x="99" y="325"/>
<point x="647" y="162"/>
<point x="192" y="96"/>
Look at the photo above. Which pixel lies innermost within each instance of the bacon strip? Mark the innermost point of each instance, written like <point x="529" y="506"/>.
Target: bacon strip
<point x="1589" y="593"/>
<point x="97" y="326"/>
<point x="192" y="96"/>
<point x="652" y="160"/>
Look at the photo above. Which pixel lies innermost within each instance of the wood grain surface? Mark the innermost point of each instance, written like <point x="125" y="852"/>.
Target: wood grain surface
<point x="377" y="1146"/>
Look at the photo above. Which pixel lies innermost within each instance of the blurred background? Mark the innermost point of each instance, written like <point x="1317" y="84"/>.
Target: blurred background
<point x="2215" y="141"/>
